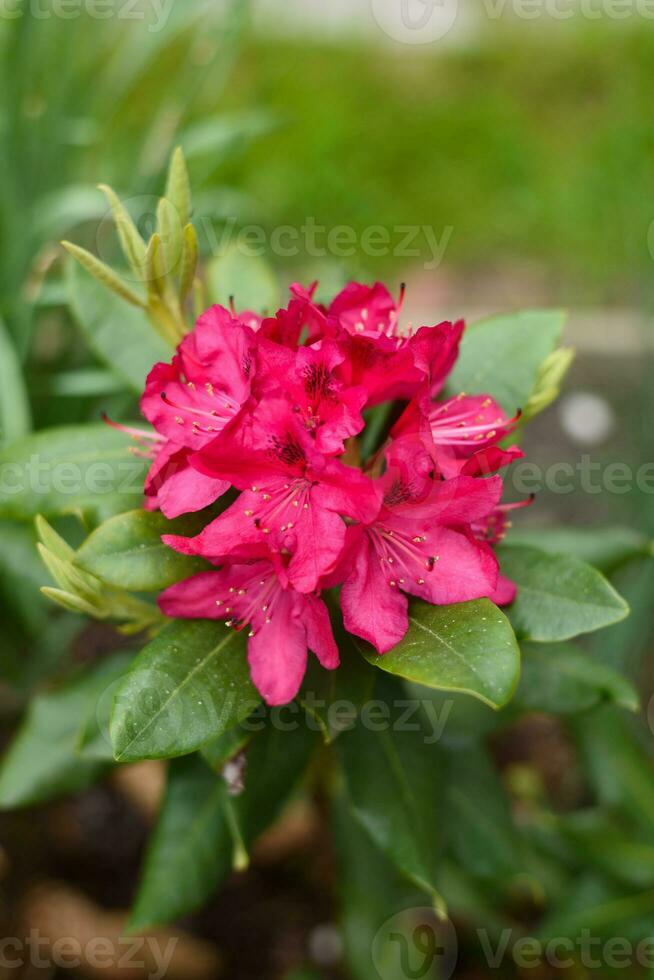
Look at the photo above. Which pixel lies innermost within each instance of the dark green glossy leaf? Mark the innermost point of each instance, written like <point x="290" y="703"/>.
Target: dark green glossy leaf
<point x="394" y="784"/>
<point x="185" y="688"/>
<point x="501" y="356"/>
<point x="558" y="596"/>
<point x="561" y="679"/>
<point x="127" y="551"/>
<point x="75" y="468"/>
<point x="190" y="851"/>
<point x="468" y="647"/>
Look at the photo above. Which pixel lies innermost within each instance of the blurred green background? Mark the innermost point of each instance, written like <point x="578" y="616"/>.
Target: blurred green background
<point x="529" y="146"/>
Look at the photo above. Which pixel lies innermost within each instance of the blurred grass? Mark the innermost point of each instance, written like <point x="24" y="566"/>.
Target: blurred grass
<point x="534" y="149"/>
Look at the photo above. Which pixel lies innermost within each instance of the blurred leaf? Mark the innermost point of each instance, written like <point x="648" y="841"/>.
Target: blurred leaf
<point x="42" y="762"/>
<point x="93" y="741"/>
<point x="127" y="551"/>
<point x="502" y="356"/>
<point x="71" y="469"/>
<point x="371" y="889"/>
<point x="21" y="575"/>
<point x="83" y="383"/>
<point x="600" y="843"/>
<point x="479" y="825"/>
<point x="190" y="850"/>
<point x="65" y="208"/>
<point x="603" y="547"/>
<point x="561" y="679"/>
<point x="467" y="647"/>
<point x="600" y="909"/>
<point x="119" y="335"/>
<point x="15" y="416"/>
<point x="193" y="844"/>
<point x="276" y="761"/>
<point x="394" y="781"/>
<point x="247" y="278"/>
<point x="186" y="687"/>
<point x="558" y="596"/>
<point x="616" y="765"/>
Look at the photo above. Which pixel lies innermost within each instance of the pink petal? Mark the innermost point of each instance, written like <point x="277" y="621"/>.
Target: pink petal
<point x="371" y="608"/>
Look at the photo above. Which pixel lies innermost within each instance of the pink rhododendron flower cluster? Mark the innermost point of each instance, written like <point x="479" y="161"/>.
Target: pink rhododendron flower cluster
<point x="272" y="407"/>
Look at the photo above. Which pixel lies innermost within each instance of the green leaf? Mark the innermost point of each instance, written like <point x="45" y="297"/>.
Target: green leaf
<point x="276" y="761"/>
<point x="93" y="741"/>
<point x="190" y="851"/>
<point x="502" y="356"/>
<point x="561" y="679"/>
<point x="549" y="379"/>
<point x="468" y="647"/>
<point x="170" y="229"/>
<point x="185" y="688"/>
<point x="193" y="846"/>
<point x="600" y="909"/>
<point x="332" y="698"/>
<point x="15" y="415"/>
<point x="178" y="189"/>
<point x="42" y="762"/>
<point x="119" y="335"/>
<point x="599" y="842"/>
<point x="103" y="274"/>
<point x="131" y="242"/>
<point x="616" y="765"/>
<point x="603" y="547"/>
<point x="66" y="470"/>
<point x="394" y="785"/>
<point x="247" y="278"/>
<point x="558" y="596"/>
<point x="127" y="551"/>
<point x="224" y="747"/>
<point x="371" y="889"/>
<point x="481" y="831"/>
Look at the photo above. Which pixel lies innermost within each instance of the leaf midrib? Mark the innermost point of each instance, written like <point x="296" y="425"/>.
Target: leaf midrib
<point x="175" y="692"/>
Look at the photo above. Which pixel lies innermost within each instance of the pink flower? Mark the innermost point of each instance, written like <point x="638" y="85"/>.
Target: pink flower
<point x="190" y="401"/>
<point x="309" y="379"/>
<point x="283" y="623"/>
<point x="294" y="498"/>
<point x="266" y="405"/>
<point x="421" y="543"/>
